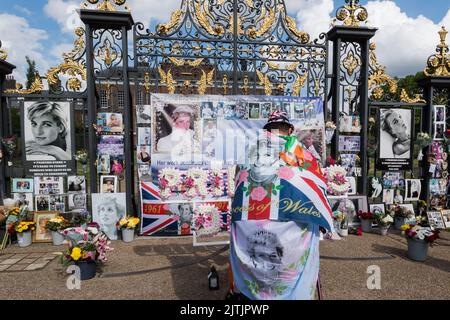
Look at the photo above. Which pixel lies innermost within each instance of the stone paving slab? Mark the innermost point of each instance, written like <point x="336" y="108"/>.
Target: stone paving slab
<point x="25" y="261"/>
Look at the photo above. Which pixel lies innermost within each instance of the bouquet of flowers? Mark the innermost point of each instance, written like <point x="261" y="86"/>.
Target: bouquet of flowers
<point x="364" y="215"/>
<point x="401" y="212"/>
<point x="338" y="184"/>
<point x="423" y="140"/>
<point x="86" y="245"/>
<point x="419" y="232"/>
<point x="207" y="220"/>
<point x="341" y="218"/>
<point x="330" y="128"/>
<point x="81" y="156"/>
<point x="57" y="224"/>
<point x="128" y="223"/>
<point x="384" y="220"/>
<point x="24" y="226"/>
<point x="81" y="217"/>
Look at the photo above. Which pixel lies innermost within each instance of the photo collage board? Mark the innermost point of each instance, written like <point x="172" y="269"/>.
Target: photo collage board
<point x="187" y="150"/>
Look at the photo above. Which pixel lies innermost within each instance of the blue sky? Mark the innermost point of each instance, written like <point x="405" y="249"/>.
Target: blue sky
<point x="48" y="25"/>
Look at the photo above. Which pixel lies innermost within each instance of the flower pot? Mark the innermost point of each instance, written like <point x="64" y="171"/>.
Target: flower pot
<point x="343" y="232"/>
<point x="384" y="231"/>
<point x="399" y="221"/>
<point x="24" y="239"/>
<point x="366" y="225"/>
<point x="57" y="238"/>
<point x="417" y="249"/>
<point x="88" y="269"/>
<point x="127" y="235"/>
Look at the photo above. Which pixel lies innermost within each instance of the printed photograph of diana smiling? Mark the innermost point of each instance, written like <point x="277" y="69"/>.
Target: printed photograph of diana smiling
<point x="47" y="129"/>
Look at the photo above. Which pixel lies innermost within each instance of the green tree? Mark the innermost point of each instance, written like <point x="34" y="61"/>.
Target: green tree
<point x="31" y="72"/>
<point x="410" y="84"/>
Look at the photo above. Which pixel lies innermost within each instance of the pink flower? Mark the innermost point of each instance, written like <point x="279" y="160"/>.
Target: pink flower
<point x="243" y="175"/>
<point x="308" y="155"/>
<point x="166" y="207"/>
<point x="258" y="194"/>
<point x="163" y="183"/>
<point x="285" y="173"/>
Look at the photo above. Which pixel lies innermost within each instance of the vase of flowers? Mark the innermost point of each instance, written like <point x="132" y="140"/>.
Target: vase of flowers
<point x="341" y="223"/>
<point x="127" y="226"/>
<point x="401" y="216"/>
<point x="423" y="140"/>
<point x="366" y="220"/>
<point x="87" y="249"/>
<point x="82" y="157"/>
<point x="419" y="240"/>
<point x="23" y="230"/>
<point x="55" y="225"/>
<point x="384" y="221"/>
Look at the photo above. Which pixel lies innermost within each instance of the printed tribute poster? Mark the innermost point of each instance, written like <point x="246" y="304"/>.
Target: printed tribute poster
<point x="48" y="135"/>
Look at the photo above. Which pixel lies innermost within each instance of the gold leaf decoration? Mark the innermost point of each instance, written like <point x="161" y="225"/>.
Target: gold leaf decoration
<point x="438" y="65"/>
<point x="105" y="5"/>
<point x="292" y="27"/>
<point x="167" y="79"/>
<point x="202" y="84"/>
<point x="264" y="81"/>
<point x="175" y="19"/>
<point x="36" y="87"/>
<point x="266" y="25"/>
<point x="351" y="62"/>
<point x="272" y="65"/>
<point x="195" y="63"/>
<point x="3" y="53"/>
<point x="352" y="14"/>
<point x="299" y="83"/>
<point x="404" y="97"/>
<point x="177" y="62"/>
<point x="293" y="66"/>
<point x="204" y="22"/>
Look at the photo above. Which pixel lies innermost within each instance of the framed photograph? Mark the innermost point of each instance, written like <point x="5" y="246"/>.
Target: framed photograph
<point x="436" y="219"/>
<point x="176" y="129"/>
<point x="413" y="188"/>
<point x="77" y="201"/>
<point x="438" y="202"/>
<point x="349" y="143"/>
<point x="104" y="163"/>
<point x="144" y="136"/>
<point x="395" y="132"/>
<point x="41" y="234"/>
<point x="266" y="108"/>
<point x="438" y="186"/>
<point x="109" y="122"/>
<point x="439" y="113"/>
<point x="408" y="206"/>
<point x="377" y="208"/>
<point x="143" y="155"/>
<point x="446" y="218"/>
<point x="349" y="124"/>
<point x="57" y="202"/>
<point x="388" y="196"/>
<point x="42" y="202"/>
<point x="108" y="184"/>
<point x="76" y="184"/>
<point x="48" y="185"/>
<point x="393" y="180"/>
<point x="439" y="130"/>
<point x="376" y="187"/>
<point x="22" y="185"/>
<point x="144" y="172"/>
<point x="313" y="140"/>
<point x="208" y="110"/>
<point x="24" y="198"/>
<point x="107" y="210"/>
<point x="48" y="133"/>
<point x="111" y="145"/>
<point x="350" y="205"/>
<point x="143" y="114"/>
<point x="352" y="181"/>
<point x="254" y="112"/>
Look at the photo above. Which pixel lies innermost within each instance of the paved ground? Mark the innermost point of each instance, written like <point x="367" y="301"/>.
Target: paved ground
<point x="171" y="268"/>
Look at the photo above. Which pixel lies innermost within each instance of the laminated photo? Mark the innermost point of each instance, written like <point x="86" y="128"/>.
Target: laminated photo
<point x="143" y="114"/>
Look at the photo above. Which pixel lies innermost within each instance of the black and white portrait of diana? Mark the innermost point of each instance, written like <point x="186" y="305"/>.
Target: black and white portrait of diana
<point x="47" y="130"/>
<point x="395" y="133"/>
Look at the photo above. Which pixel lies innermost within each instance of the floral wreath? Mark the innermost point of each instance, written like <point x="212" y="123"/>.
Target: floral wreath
<point x="336" y="179"/>
<point x="168" y="180"/>
<point x="216" y="179"/>
<point x="207" y="220"/>
<point x="195" y="183"/>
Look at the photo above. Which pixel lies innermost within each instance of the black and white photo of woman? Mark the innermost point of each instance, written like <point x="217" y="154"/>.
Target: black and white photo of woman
<point x="395" y="133"/>
<point x="47" y="131"/>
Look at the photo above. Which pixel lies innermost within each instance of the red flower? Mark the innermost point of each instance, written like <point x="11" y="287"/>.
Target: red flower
<point x="359" y="231"/>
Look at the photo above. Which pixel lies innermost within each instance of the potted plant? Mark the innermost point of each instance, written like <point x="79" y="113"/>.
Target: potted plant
<point x="401" y="216"/>
<point x="384" y="221"/>
<point x="419" y="239"/>
<point x="341" y="223"/>
<point x="366" y="220"/>
<point x="86" y="250"/>
<point x="127" y="226"/>
<point x="55" y="225"/>
<point x="23" y="230"/>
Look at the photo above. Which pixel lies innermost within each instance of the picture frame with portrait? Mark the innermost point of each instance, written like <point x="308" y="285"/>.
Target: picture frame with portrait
<point x="439" y="113"/>
<point x="388" y="196"/>
<point x="76" y="184"/>
<point x="107" y="210"/>
<point x="22" y="185"/>
<point x="77" y="201"/>
<point x="143" y="114"/>
<point x="108" y="184"/>
<point x="48" y="185"/>
<point x="446" y="217"/>
<point x="395" y="136"/>
<point x="41" y="234"/>
<point x="350" y="205"/>
<point x="112" y="145"/>
<point x="42" y="202"/>
<point x="352" y="190"/>
<point x="436" y="220"/>
<point x="313" y="140"/>
<point x="24" y="198"/>
<point x="413" y="187"/>
<point x="49" y="137"/>
<point x="377" y="207"/>
<point x="439" y="131"/>
<point x="349" y="143"/>
<point x="144" y="136"/>
<point x="109" y="123"/>
<point x="104" y="163"/>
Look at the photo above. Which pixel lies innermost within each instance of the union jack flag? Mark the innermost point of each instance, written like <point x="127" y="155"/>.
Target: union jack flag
<point x="155" y="216"/>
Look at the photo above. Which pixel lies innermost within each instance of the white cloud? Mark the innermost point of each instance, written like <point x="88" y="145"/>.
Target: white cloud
<point x="22" y="10"/>
<point x="64" y="13"/>
<point x="313" y="16"/>
<point x="403" y="43"/>
<point x="21" y="41"/>
<point x="152" y="11"/>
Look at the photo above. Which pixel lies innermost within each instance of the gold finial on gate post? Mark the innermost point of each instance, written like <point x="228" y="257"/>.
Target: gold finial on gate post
<point x="3" y="53"/>
<point x="438" y="65"/>
<point x="105" y="5"/>
<point x="351" y="14"/>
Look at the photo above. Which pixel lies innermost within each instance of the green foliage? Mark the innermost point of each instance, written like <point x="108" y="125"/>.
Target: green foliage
<point x="31" y="72"/>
